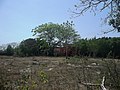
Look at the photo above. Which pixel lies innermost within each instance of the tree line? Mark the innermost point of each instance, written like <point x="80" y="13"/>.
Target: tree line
<point x="99" y="47"/>
<point x="105" y="47"/>
<point x="62" y="40"/>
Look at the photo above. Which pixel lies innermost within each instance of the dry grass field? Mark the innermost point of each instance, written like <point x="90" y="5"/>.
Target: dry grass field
<point x="51" y="73"/>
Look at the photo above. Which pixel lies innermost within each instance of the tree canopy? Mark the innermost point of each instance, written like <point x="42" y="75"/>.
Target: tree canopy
<point x="47" y="32"/>
<point x="28" y="47"/>
<point x="56" y="34"/>
<point x="112" y="6"/>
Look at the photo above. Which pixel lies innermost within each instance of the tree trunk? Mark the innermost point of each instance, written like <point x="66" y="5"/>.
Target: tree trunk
<point x="66" y="51"/>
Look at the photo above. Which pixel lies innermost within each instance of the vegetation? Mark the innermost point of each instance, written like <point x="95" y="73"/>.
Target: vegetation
<point x="112" y="7"/>
<point x="95" y="47"/>
<point x="74" y="73"/>
<point x="56" y="35"/>
<point x="28" y="47"/>
<point x="101" y="47"/>
<point x="92" y="63"/>
<point x="43" y="73"/>
<point x="50" y="36"/>
<point x="9" y="50"/>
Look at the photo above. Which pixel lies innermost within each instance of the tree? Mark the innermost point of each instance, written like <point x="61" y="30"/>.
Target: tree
<point x="56" y="34"/>
<point x="113" y="7"/>
<point x="68" y="34"/>
<point x="2" y="52"/>
<point x="103" y="47"/>
<point x="93" y="47"/>
<point x="115" y="20"/>
<point x="28" y="47"/>
<point x="48" y="32"/>
<point x="9" y="50"/>
<point x="43" y="47"/>
<point x="98" y="47"/>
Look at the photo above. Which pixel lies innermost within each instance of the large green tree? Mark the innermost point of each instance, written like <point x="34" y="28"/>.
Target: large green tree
<point x="48" y="32"/>
<point x="56" y="34"/>
<point x="68" y="35"/>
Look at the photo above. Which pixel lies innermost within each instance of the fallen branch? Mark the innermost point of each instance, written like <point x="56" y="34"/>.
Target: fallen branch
<point x="102" y="85"/>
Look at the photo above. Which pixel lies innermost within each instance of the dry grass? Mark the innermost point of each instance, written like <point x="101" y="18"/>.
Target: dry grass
<point x="49" y="73"/>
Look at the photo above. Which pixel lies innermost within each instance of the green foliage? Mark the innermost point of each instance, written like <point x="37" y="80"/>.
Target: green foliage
<point x="96" y="47"/>
<point x="43" y="47"/>
<point x="25" y="81"/>
<point x="28" y="47"/>
<point x="56" y="35"/>
<point x="68" y="34"/>
<point x="17" y="51"/>
<point x="101" y="47"/>
<point x="43" y="77"/>
<point x="9" y="50"/>
<point x="83" y="48"/>
<point x="47" y="32"/>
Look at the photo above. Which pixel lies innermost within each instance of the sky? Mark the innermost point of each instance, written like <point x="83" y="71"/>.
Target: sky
<point x="19" y="17"/>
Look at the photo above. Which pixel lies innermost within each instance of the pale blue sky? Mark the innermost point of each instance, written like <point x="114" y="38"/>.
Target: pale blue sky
<point x="19" y="17"/>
